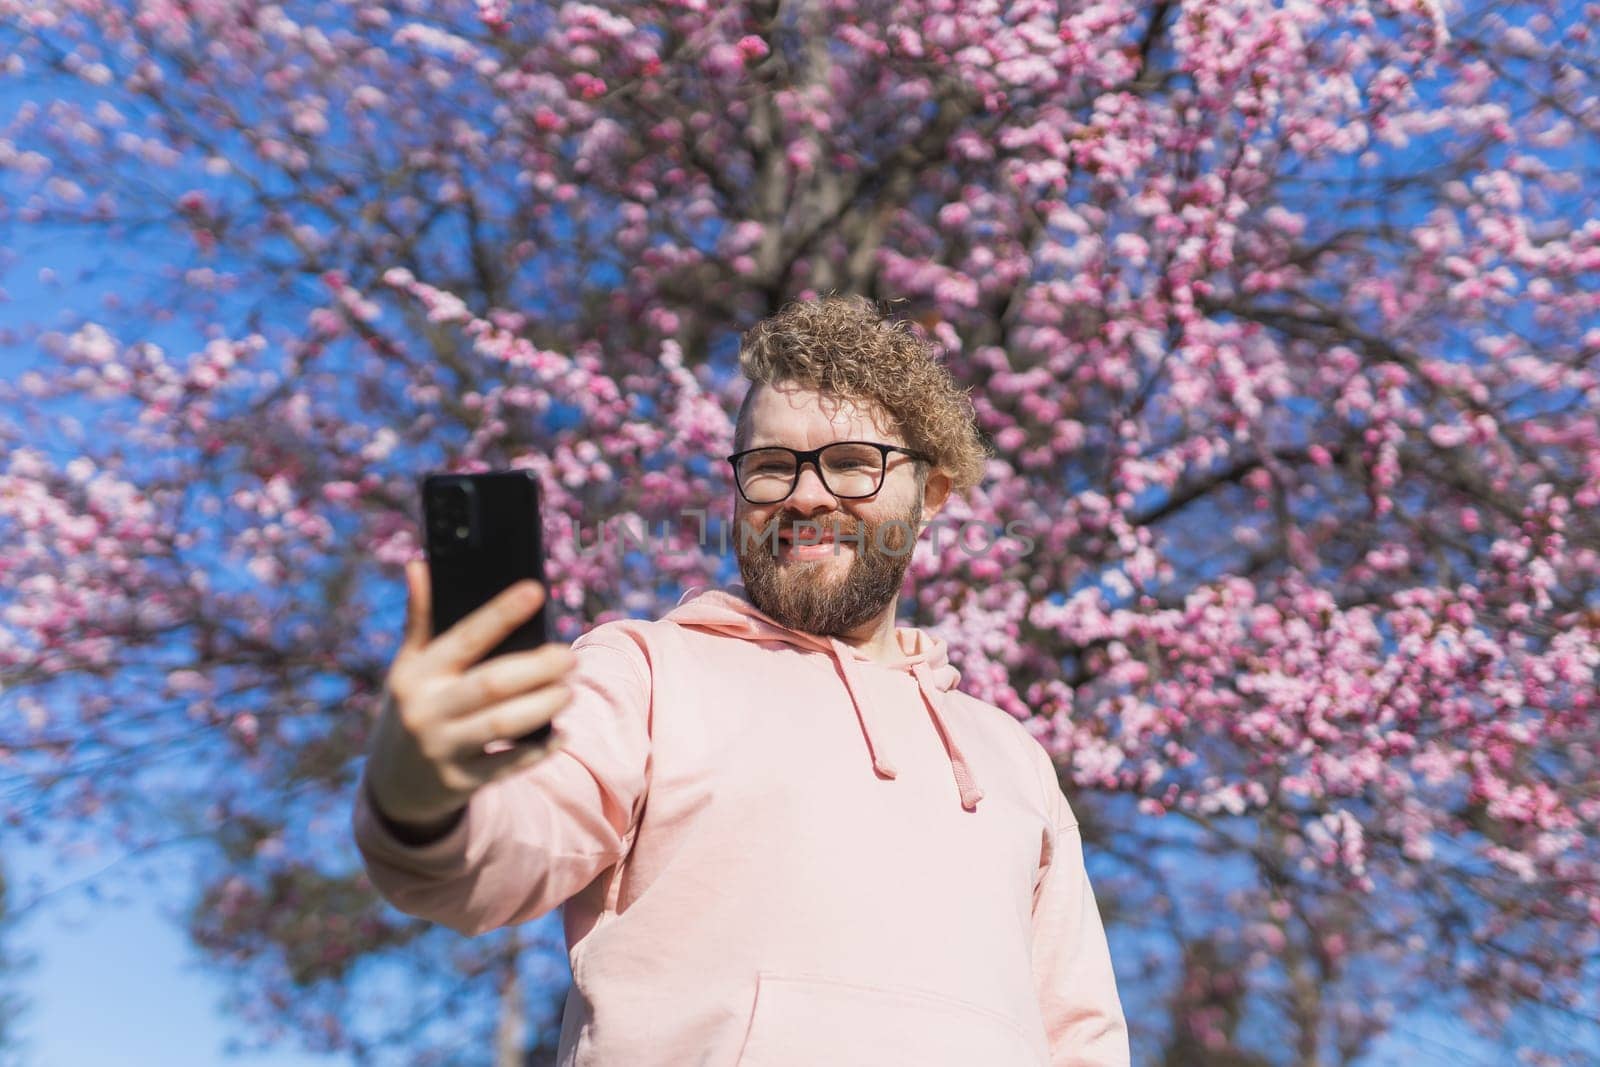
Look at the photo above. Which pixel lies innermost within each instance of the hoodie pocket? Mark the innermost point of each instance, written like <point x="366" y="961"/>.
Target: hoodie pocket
<point x="808" y="1019"/>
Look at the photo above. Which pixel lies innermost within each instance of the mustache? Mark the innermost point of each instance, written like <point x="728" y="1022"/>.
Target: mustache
<point x="795" y="523"/>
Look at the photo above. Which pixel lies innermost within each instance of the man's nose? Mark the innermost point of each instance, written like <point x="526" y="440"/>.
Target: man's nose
<point x="810" y="495"/>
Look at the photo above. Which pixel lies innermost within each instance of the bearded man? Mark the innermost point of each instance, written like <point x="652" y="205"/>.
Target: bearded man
<point x="778" y="832"/>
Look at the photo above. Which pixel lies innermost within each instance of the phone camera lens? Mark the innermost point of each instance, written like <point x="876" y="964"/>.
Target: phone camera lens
<point x="450" y="514"/>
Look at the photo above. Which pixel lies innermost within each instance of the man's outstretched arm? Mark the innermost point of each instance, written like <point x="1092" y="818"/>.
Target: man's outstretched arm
<point x="528" y="841"/>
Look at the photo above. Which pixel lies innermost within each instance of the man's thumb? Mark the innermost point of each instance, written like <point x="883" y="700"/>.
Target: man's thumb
<point x="419" y="625"/>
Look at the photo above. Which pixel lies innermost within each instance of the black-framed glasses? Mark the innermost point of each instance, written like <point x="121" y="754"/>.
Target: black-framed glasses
<point x="850" y="470"/>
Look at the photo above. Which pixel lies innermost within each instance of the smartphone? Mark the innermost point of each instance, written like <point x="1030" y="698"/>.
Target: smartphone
<point x="483" y="534"/>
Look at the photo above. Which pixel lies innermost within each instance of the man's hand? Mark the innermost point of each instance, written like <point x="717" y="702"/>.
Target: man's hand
<point x="441" y="706"/>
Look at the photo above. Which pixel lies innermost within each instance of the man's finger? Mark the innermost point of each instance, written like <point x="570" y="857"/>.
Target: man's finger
<point x="505" y="677"/>
<point x="419" y="606"/>
<point x="507" y="720"/>
<point x="469" y="640"/>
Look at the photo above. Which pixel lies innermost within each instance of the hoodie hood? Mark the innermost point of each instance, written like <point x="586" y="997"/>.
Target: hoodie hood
<point x="730" y="613"/>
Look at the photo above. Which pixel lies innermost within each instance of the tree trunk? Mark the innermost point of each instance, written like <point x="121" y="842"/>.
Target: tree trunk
<point x="511" y="1033"/>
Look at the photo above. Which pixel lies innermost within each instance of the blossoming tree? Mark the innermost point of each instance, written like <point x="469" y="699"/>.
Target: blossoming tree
<point x="1281" y="318"/>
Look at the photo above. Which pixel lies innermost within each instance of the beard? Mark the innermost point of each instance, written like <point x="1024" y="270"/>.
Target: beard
<point x="807" y="595"/>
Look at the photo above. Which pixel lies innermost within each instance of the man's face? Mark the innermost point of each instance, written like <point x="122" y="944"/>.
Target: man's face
<point x="843" y="583"/>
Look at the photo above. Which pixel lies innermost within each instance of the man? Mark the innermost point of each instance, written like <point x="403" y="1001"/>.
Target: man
<point x="781" y="835"/>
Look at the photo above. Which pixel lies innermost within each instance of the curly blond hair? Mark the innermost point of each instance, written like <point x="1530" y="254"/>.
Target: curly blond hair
<point x="844" y="347"/>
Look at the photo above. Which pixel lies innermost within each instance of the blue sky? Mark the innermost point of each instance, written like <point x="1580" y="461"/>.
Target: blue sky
<point x="114" y="982"/>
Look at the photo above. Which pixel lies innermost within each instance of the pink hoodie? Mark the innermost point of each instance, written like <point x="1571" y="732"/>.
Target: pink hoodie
<point x="773" y="850"/>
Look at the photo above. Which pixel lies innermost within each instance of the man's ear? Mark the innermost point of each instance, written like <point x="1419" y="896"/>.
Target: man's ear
<point x="934" y="494"/>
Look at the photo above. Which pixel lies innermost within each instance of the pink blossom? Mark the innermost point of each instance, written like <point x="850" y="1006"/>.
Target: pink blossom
<point x="752" y="48"/>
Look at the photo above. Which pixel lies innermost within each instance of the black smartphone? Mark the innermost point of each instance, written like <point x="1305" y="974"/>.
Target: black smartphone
<point x="483" y="534"/>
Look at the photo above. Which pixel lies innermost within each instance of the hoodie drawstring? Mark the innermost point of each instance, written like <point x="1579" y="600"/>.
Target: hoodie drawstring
<point x="841" y="658"/>
<point x="966" y="784"/>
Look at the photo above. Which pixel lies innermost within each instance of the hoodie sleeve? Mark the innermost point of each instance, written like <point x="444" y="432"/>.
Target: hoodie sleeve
<point x="529" y="841"/>
<point x="1071" y="961"/>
